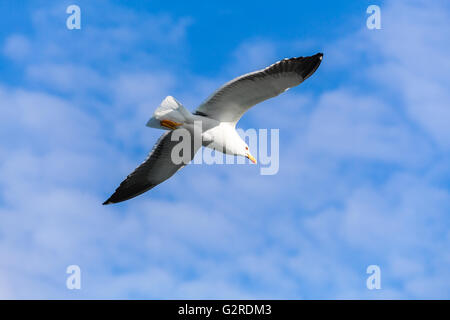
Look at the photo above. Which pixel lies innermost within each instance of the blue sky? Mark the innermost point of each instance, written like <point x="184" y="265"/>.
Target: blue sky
<point x="364" y="152"/>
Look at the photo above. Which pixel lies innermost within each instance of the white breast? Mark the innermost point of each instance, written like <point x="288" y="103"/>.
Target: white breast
<point x="223" y="138"/>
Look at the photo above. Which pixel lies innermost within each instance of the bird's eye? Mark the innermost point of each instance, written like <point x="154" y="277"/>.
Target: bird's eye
<point x="246" y="148"/>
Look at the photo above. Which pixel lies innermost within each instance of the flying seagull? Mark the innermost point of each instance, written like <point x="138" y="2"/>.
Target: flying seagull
<point x="218" y="116"/>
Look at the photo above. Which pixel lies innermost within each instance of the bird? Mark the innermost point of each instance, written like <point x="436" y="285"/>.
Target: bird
<point x="217" y="116"/>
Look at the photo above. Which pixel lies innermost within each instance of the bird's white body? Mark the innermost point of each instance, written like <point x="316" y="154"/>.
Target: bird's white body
<point x="220" y="136"/>
<point x="224" y="138"/>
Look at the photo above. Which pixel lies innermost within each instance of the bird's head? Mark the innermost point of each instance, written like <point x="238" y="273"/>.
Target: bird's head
<point x="235" y="145"/>
<point x="245" y="151"/>
<point x="249" y="156"/>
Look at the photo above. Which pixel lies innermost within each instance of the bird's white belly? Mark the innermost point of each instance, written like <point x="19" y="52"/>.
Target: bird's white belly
<point x="220" y="137"/>
<point x="214" y="134"/>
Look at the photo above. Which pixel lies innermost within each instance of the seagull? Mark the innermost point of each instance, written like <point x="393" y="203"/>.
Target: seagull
<point x="217" y="116"/>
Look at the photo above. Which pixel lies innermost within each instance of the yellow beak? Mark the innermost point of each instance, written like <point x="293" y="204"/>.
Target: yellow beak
<point x="251" y="158"/>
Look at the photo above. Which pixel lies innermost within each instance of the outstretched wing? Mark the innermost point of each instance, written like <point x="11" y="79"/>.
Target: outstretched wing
<point x="232" y="100"/>
<point x="157" y="168"/>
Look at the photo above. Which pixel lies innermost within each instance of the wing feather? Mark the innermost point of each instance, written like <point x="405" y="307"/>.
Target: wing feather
<point x="157" y="168"/>
<point x="232" y="100"/>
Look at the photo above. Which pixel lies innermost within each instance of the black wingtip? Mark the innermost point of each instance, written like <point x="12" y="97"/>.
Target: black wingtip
<point x="311" y="65"/>
<point x="107" y="202"/>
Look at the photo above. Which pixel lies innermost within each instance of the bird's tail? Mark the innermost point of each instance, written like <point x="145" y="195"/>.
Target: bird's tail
<point x="170" y="109"/>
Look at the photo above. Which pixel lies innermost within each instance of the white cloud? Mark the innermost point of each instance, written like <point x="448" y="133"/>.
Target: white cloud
<point x="411" y="62"/>
<point x="66" y="78"/>
<point x="17" y="47"/>
<point x="351" y="125"/>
